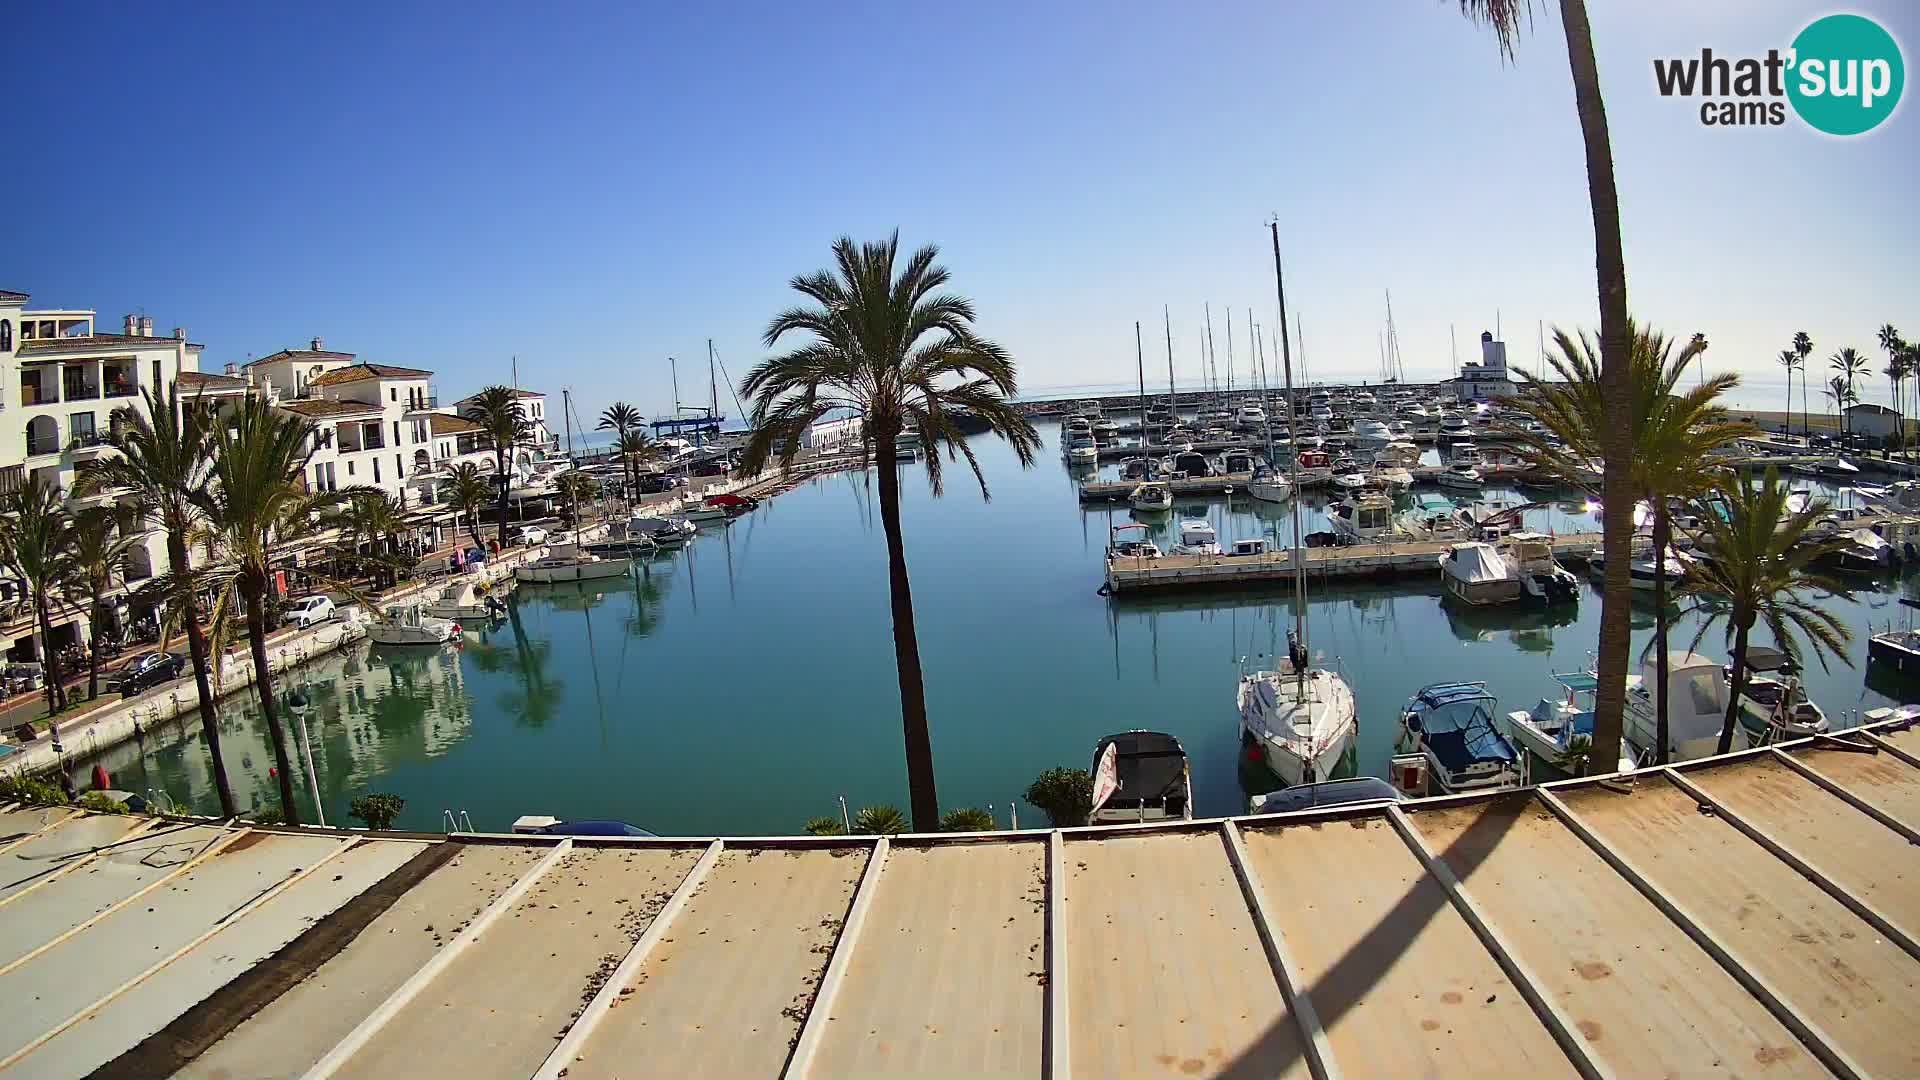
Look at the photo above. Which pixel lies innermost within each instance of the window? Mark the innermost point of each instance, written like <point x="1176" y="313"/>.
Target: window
<point x="393" y="393"/>
<point x="319" y="478"/>
<point x="6" y="336"/>
<point x="156" y="376"/>
<point x="396" y="433"/>
<point x="349" y="466"/>
<point x="376" y="470"/>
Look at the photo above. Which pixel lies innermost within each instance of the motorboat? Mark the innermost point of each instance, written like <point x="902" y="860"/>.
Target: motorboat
<point x="1453" y="724"/>
<point x="1773" y="700"/>
<point x="1352" y="481"/>
<point x="1897" y="649"/>
<point x="1089" y="407"/>
<point x="1453" y="425"/>
<point x="567" y="562"/>
<point x="1151" y="498"/>
<point x="1371" y="434"/>
<point x="1236" y="461"/>
<point x="1131" y="541"/>
<point x="1298" y="719"/>
<point x="1476" y="573"/>
<point x="407" y="624"/>
<point x="1697" y="706"/>
<point x="1106" y="429"/>
<point x="1137" y="468"/>
<point x="722" y="507"/>
<point x="1433" y="516"/>
<point x="1862" y="552"/>
<point x="1542" y="577"/>
<point x="1364" y="518"/>
<point x="1252" y="416"/>
<point x="1197" y="537"/>
<point x="1140" y="776"/>
<point x="1081" y="450"/>
<point x="1460" y="475"/>
<point x="1187" y="464"/>
<point x="1308" y="444"/>
<point x="1560" y="728"/>
<point x="1268" y="485"/>
<point x="661" y="531"/>
<point x="1493" y="518"/>
<point x="1077" y="425"/>
<point x="1393" y="477"/>
<point x="1251" y="546"/>
<point x="1643" y="572"/>
<point x="465" y="600"/>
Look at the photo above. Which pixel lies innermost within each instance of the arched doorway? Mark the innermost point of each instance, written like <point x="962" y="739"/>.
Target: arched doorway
<point x="43" y="436"/>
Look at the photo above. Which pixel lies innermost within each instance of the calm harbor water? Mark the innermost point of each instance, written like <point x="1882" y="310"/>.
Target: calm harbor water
<point x="745" y="683"/>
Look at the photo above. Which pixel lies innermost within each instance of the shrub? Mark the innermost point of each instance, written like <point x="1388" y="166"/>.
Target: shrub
<point x="40" y="790"/>
<point x="825" y="826"/>
<point x="377" y="809"/>
<point x="879" y="821"/>
<point x="100" y="803"/>
<point x="967" y="819"/>
<point x="269" y="815"/>
<point x="1064" y="795"/>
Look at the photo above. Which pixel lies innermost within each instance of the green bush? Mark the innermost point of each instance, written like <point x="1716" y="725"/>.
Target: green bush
<point x="268" y="815"/>
<point x="879" y="821"/>
<point x="377" y="809"/>
<point x="43" y="790"/>
<point x="99" y="803"/>
<point x="1064" y="795"/>
<point x="967" y="819"/>
<point x="825" y="826"/>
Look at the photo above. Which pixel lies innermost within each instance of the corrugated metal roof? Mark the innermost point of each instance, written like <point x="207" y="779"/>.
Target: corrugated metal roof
<point x="1753" y="915"/>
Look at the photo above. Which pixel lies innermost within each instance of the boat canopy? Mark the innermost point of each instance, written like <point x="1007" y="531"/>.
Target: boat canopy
<point x="1359" y="789"/>
<point x="1151" y="766"/>
<point x="1476" y="562"/>
<point x="1456" y="722"/>
<point x="1764" y="658"/>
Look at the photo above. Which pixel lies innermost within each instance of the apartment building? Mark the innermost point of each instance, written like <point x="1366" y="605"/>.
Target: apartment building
<point x="61" y="382"/>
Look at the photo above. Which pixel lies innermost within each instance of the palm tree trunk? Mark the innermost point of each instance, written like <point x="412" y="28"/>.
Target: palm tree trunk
<point x="93" y="653"/>
<point x="1662" y="536"/>
<point x="1616" y="439"/>
<point x="51" y="667"/>
<point x="500" y="467"/>
<point x="254" y="588"/>
<point x="906" y="646"/>
<point x="197" y="648"/>
<point x="1739" y="687"/>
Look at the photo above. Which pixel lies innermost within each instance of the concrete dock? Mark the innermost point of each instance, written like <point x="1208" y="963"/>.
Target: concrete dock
<point x="1130" y="574"/>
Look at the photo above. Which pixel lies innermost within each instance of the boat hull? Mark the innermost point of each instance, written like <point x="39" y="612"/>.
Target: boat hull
<point x="1889" y="653"/>
<point x="1269" y="492"/>
<point x="1480" y="593"/>
<point x="549" y="575"/>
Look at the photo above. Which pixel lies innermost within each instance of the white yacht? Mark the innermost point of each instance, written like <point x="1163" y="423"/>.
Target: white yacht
<point x="1491" y="519"/>
<point x="1236" y="461"/>
<point x="1252" y="416"/>
<point x="1555" y="726"/>
<point x="1363" y="519"/>
<point x="1392" y="477"/>
<point x="1151" y="497"/>
<point x="566" y="562"/>
<point x="1541" y="575"/>
<point x="1697" y="696"/>
<point x="408" y="625"/>
<point x="1453" y="425"/>
<point x="1268" y="485"/>
<point x="1352" y="480"/>
<point x="1081" y="450"/>
<point x="1462" y="476"/>
<point x="1453" y="725"/>
<point x="1371" y="434"/>
<point x="1401" y="455"/>
<point x="1197" y="537"/>
<point x="1106" y="429"/>
<point x="466" y="600"/>
<point x="1301" y="718"/>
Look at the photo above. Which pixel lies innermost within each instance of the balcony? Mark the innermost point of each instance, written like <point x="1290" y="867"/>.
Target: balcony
<point x="423" y="402"/>
<point x="89" y="439"/>
<point x="34" y="391"/>
<point x="78" y="388"/>
<point x="39" y="443"/>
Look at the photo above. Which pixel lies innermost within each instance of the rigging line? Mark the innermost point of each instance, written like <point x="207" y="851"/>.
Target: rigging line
<point x="730" y="387"/>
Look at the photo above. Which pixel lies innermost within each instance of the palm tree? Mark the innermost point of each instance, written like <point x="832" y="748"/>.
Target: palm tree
<point x="1897" y="370"/>
<point x="467" y="489"/>
<point x="257" y="509"/>
<point x="1791" y="361"/>
<point x="1803" y="348"/>
<point x="99" y="553"/>
<point x="1840" y="394"/>
<point x="893" y="350"/>
<point x="1674" y="433"/>
<point x="371" y="518"/>
<point x="1761" y="572"/>
<point x="165" y="457"/>
<point x="36" y="546"/>
<point x="578" y="489"/>
<point x="1850" y="365"/>
<point x="1504" y="18"/>
<point x="621" y="419"/>
<point x="635" y="447"/>
<point x="497" y="410"/>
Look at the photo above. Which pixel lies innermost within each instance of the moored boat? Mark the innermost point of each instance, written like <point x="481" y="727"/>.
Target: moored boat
<point x="1140" y="776"/>
<point x="408" y="625"/>
<point x="566" y="562"/>
<point x="1197" y="537"/>
<point x="1151" y="497"/>
<point x="1475" y="573"/>
<point x="1453" y="725"/>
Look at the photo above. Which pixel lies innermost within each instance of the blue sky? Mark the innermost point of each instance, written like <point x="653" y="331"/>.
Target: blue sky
<point x="595" y="187"/>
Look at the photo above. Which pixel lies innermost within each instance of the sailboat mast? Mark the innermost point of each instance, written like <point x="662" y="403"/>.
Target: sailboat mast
<point x="1229" y="350"/>
<point x="1204" y="380"/>
<point x="713" y="391"/>
<point x="1299" y="555"/>
<point x="1140" y="362"/>
<point x="573" y="493"/>
<point x="1265" y="398"/>
<point x="1173" y="413"/>
<point x="1453" y="350"/>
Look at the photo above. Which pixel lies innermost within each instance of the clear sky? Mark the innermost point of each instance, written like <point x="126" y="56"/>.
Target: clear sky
<point x="595" y="187"/>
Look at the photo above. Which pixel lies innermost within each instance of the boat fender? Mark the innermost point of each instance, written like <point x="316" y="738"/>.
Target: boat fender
<point x="1102" y="590"/>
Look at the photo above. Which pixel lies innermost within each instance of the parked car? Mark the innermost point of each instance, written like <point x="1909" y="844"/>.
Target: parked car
<point x="473" y="558"/>
<point x="310" y="611"/>
<point x="530" y="535"/>
<point x="147" y="672"/>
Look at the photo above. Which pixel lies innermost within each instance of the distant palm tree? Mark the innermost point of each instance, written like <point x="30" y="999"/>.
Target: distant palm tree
<point x="467" y="490"/>
<point x="259" y="510"/>
<point x="1504" y="18"/>
<point x="1762" y="572"/>
<point x="498" y="412"/>
<point x="895" y="351"/>
<point x="1803" y="348"/>
<point x="1840" y="395"/>
<point x="165" y="457"/>
<point x="1674" y="435"/>
<point x="1850" y="365"/>
<point x="577" y="489"/>
<point x="369" y="518"/>
<point x="36" y="547"/>
<point x="1791" y="361"/>
<point x="622" y="419"/>
<point x="99" y="552"/>
<point x="1897" y="369"/>
<point x="635" y="447"/>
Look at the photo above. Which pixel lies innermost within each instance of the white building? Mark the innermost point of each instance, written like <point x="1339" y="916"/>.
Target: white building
<point x="1486" y="379"/>
<point x="834" y="434"/>
<point x="1876" y="423"/>
<point x="61" y="380"/>
<point x="533" y="406"/>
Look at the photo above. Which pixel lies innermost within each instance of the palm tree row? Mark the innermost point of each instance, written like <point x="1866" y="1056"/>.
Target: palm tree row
<point x="629" y="439"/>
<point x="60" y="559"/>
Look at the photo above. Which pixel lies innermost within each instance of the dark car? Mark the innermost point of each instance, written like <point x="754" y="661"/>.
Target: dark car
<point x="147" y="672"/>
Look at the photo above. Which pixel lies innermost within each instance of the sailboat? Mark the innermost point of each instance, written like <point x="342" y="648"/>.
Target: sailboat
<point x="1299" y="718"/>
<point x="570" y="561"/>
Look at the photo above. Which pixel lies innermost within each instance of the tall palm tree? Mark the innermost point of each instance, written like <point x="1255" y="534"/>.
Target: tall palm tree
<point x="498" y="412"/>
<point x="369" y="518"/>
<point x="99" y="552"/>
<point x="1791" y="361"/>
<point x="902" y="355"/>
<point x="1897" y="370"/>
<point x="257" y="509"/>
<point x="621" y="419"/>
<point x="1504" y="18"/>
<point x="165" y="457"/>
<point x="466" y="487"/>
<point x="1803" y="348"/>
<point x="1840" y="394"/>
<point x="635" y="447"/>
<point x="1674" y="433"/>
<point x="1762" y="572"/>
<point x="1850" y="365"/>
<point x="36" y="546"/>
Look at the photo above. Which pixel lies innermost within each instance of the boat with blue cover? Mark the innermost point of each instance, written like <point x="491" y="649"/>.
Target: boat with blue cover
<point x="1558" y="725"/>
<point x="1453" y="725"/>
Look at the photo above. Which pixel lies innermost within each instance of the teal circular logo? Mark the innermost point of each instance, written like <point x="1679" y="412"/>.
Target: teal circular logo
<point x="1847" y="74"/>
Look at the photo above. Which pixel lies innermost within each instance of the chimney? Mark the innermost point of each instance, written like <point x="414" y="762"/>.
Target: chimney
<point x="146" y="326"/>
<point x="317" y="343"/>
<point x="180" y="333"/>
<point x="233" y="369"/>
<point x="1492" y="353"/>
<point x="133" y="325"/>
